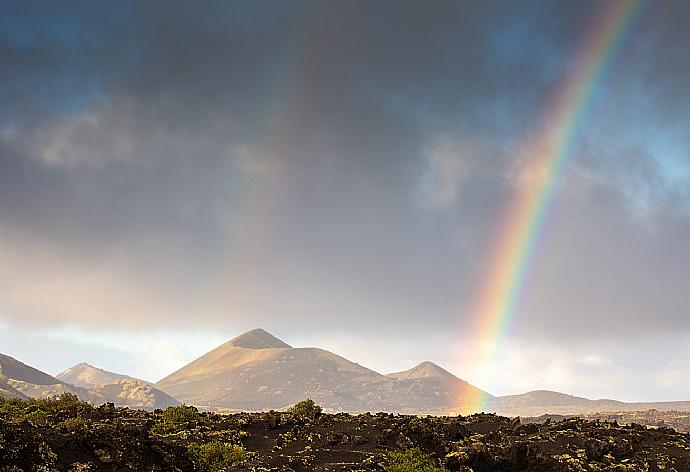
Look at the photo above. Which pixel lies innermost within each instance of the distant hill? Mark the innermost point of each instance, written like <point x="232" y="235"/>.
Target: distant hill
<point x="537" y="399"/>
<point x="22" y="381"/>
<point x="88" y="376"/>
<point x="540" y="402"/>
<point x="257" y="371"/>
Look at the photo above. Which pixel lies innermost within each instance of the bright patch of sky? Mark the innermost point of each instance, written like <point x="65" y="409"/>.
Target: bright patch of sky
<point x="149" y="356"/>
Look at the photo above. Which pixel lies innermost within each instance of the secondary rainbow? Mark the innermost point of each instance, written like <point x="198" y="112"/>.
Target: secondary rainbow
<point x="547" y="155"/>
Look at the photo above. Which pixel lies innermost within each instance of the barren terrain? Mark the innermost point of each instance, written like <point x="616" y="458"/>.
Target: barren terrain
<point x="67" y="435"/>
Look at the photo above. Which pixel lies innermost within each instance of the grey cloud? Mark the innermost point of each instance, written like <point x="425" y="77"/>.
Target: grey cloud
<point x="264" y="162"/>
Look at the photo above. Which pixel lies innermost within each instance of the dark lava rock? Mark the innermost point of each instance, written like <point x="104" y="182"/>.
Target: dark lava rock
<point x="118" y="440"/>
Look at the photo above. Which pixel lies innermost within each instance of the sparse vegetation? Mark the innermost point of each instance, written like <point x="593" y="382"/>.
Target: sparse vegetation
<point x="217" y="456"/>
<point x="77" y="425"/>
<point x="306" y="408"/>
<point x="11" y="405"/>
<point x="181" y="414"/>
<point x="175" y="419"/>
<point x="39" y="411"/>
<point x="411" y="460"/>
<point x="36" y="418"/>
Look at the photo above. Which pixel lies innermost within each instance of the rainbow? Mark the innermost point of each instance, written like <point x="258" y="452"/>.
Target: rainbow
<point x="547" y="157"/>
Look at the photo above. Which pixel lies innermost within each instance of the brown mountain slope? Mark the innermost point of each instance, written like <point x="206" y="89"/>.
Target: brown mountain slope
<point x="256" y="371"/>
<point x="273" y="377"/>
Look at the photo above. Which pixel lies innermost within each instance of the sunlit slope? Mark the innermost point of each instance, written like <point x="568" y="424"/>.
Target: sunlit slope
<point x="243" y="374"/>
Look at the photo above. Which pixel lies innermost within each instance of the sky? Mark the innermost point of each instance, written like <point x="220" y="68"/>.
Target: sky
<point x="173" y="174"/>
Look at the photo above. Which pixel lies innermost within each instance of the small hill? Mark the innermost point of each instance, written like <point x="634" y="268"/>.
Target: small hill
<point x="540" y="398"/>
<point x="135" y="394"/>
<point x="541" y="402"/>
<point x="88" y="376"/>
<point x="433" y="390"/>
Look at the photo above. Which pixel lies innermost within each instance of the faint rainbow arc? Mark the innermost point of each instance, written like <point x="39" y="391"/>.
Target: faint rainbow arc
<point x="517" y="241"/>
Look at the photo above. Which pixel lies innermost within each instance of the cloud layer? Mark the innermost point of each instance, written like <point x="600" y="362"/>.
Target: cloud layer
<point x="313" y="166"/>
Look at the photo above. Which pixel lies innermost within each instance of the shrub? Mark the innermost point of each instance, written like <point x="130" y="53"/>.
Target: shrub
<point x="68" y="401"/>
<point x="76" y="425"/>
<point x="305" y="408"/>
<point x="181" y="414"/>
<point x="65" y="404"/>
<point x="175" y="419"/>
<point x="36" y="418"/>
<point x="12" y="406"/>
<point x="164" y="429"/>
<point x="216" y="456"/>
<point x="411" y="460"/>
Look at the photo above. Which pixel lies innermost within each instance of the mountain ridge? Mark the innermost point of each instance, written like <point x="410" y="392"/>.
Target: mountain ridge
<point x="258" y="371"/>
<point x="20" y="380"/>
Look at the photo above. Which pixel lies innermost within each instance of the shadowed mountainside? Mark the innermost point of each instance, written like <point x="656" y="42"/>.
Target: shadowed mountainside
<point x="11" y="368"/>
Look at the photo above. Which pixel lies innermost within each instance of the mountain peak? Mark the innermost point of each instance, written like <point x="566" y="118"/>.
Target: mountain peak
<point x="87" y="376"/>
<point x="422" y="370"/>
<point x="258" y="339"/>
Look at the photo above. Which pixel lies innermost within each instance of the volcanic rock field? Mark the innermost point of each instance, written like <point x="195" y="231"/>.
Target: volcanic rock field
<point x="66" y="434"/>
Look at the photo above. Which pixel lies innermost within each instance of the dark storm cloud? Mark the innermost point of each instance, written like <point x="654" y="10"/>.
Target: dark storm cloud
<point x="343" y="160"/>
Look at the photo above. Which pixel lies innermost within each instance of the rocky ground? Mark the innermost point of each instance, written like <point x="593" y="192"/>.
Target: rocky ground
<point x="678" y="420"/>
<point x="68" y="435"/>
